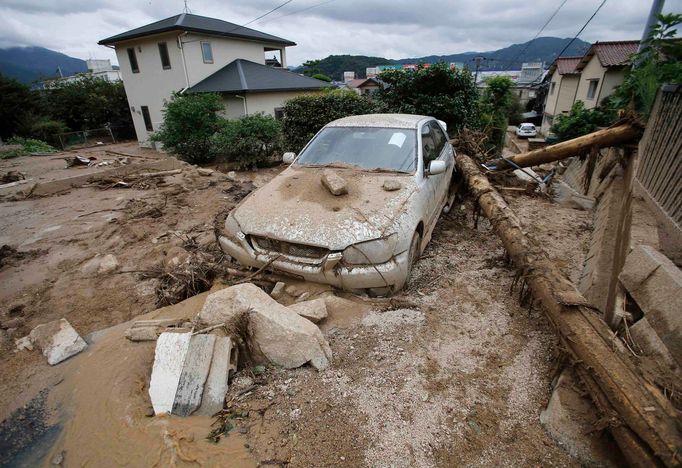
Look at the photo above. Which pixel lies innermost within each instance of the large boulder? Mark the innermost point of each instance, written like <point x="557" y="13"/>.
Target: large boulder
<point x="271" y="330"/>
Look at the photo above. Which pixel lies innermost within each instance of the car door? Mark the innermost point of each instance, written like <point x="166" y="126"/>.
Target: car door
<point x="428" y="152"/>
<point x="444" y="149"/>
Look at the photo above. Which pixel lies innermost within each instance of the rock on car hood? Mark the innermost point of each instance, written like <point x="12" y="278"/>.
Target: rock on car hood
<point x="296" y="207"/>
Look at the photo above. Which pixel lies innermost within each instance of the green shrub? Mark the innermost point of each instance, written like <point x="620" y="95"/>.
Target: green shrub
<point x="495" y="105"/>
<point x="305" y="115"/>
<point x="447" y="94"/>
<point x="580" y="121"/>
<point x="190" y="120"/>
<point x="249" y="141"/>
<point x="47" y="130"/>
<point x="321" y="77"/>
<point x="28" y="145"/>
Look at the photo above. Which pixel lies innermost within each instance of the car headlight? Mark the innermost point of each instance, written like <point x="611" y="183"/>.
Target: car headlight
<point x="232" y="228"/>
<point x="370" y="252"/>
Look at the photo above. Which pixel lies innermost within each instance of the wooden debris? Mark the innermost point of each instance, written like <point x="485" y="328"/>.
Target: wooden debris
<point x="616" y="135"/>
<point x="585" y="336"/>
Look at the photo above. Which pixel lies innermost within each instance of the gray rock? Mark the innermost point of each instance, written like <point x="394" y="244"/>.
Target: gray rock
<point x="278" y="291"/>
<point x="108" y="264"/>
<point x="58" y="340"/>
<point x="274" y="332"/>
<point x="142" y="333"/>
<point x="205" y="172"/>
<point x="334" y="182"/>
<point x="223" y="362"/>
<point x="24" y="343"/>
<point x="232" y="175"/>
<point x="195" y="370"/>
<point x="315" y="310"/>
<point x="391" y="185"/>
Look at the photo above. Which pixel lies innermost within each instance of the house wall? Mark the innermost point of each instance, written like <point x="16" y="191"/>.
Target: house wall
<point x="562" y="100"/>
<point x="258" y="102"/>
<point x="612" y="78"/>
<point x="153" y="85"/>
<point x="593" y="70"/>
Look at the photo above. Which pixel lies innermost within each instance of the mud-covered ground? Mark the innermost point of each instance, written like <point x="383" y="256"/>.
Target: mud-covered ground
<point x="453" y="371"/>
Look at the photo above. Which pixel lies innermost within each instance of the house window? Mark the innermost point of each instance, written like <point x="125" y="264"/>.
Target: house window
<point x="133" y="60"/>
<point x="592" y="90"/>
<point x="165" y="59"/>
<point x="551" y="89"/>
<point x="206" y="52"/>
<point x="279" y="113"/>
<point x="147" y="118"/>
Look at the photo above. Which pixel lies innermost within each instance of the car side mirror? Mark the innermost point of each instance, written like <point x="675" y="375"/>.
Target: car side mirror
<point x="288" y="157"/>
<point x="437" y="167"/>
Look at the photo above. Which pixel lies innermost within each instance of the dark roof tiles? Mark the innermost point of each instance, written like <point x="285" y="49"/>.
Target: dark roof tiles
<point x="244" y="76"/>
<point x="198" y="24"/>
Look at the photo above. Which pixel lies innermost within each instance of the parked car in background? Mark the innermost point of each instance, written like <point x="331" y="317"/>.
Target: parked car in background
<point x="526" y="130"/>
<point x="391" y="174"/>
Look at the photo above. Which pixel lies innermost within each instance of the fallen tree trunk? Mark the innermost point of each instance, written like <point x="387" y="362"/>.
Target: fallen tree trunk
<point x="617" y="135"/>
<point x="588" y="340"/>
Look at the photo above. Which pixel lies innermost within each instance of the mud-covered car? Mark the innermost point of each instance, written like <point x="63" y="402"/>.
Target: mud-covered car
<point x="392" y="174"/>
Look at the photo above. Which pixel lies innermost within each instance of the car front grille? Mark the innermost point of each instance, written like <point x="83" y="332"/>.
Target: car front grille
<point x="289" y="248"/>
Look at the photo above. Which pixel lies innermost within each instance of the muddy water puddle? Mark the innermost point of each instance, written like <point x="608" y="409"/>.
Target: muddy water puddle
<point x="104" y="410"/>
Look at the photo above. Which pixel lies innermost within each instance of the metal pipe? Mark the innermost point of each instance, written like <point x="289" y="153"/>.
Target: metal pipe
<point x="182" y="53"/>
<point x="246" y="109"/>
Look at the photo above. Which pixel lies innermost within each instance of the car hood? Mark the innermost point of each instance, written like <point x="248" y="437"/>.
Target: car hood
<point x="296" y="207"/>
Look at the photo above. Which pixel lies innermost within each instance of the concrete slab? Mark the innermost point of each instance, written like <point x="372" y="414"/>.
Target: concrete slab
<point x="195" y="371"/>
<point x="58" y="340"/>
<point x="169" y="358"/>
<point x="217" y="382"/>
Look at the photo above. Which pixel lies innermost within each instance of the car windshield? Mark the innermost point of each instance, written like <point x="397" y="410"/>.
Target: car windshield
<point x="527" y="127"/>
<point x="388" y="149"/>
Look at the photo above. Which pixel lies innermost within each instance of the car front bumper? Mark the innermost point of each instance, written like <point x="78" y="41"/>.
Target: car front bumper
<point x="390" y="275"/>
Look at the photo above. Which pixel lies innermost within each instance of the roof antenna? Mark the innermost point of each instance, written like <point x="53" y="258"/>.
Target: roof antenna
<point x="186" y="10"/>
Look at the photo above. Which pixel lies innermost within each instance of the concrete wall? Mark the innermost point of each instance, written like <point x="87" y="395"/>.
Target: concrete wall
<point x="153" y="85"/>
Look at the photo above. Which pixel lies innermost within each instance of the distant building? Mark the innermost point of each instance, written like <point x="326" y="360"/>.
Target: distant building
<point x="189" y="53"/>
<point x="371" y="72"/>
<point x="348" y="76"/>
<point x="589" y="78"/>
<point x="563" y="79"/>
<point x="531" y="71"/>
<point x="97" y="68"/>
<point x="603" y="68"/>
<point x="365" y="86"/>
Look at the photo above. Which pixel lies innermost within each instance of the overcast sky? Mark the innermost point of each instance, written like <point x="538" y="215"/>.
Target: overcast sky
<point x="386" y="28"/>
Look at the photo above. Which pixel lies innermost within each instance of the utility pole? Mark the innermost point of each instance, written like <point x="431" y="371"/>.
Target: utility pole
<point x="478" y="60"/>
<point x="656" y="8"/>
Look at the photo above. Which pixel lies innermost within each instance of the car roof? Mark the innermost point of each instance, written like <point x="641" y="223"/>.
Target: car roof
<point x="380" y="120"/>
<point x="527" y="123"/>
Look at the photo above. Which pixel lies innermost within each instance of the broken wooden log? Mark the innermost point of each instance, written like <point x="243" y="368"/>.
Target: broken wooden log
<point x="587" y="339"/>
<point x="613" y="136"/>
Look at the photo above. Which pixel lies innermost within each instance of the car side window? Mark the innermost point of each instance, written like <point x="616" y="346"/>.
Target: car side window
<point x="438" y="136"/>
<point x="429" y="148"/>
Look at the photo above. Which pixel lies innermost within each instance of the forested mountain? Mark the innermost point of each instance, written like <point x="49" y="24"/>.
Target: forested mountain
<point x="28" y="64"/>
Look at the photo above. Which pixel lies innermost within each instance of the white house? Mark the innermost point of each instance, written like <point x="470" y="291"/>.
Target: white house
<point x="190" y="53"/>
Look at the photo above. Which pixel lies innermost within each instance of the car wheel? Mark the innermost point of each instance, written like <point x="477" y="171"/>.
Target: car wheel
<point x="413" y="256"/>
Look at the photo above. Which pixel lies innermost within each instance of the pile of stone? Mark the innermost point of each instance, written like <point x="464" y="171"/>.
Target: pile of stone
<point x="191" y="370"/>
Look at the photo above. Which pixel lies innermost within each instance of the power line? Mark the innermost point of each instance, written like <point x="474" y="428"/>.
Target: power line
<point x="540" y="31"/>
<point x="583" y="28"/>
<point x="298" y="11"/>
<point x="266" y="14"/>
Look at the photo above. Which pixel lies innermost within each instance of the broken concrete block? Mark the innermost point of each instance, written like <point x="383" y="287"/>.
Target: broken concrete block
<point x="223" y="362"/>
<point x="195" y="371"/>
<point x="24" y="343"/>
<point x="58" y="340"/>
<point x="108" y="264"/>
<point x="647" y="339"/>
<point x="334" y="182"/>
<point x="142" y="333"/>
<point x="655" y="283"/>
<point x="315" y="310"/>
<point x="169" y="357"/>
<point x="274" y="332"/>
<point x="391" y="185"/>
<point x="278" y="291"/>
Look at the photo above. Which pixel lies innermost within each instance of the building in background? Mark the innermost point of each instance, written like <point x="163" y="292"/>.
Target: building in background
<point x="348" y="76"/>
<point x="191" y="53"/>
<point x="562" y="79"/>
<point x="603" y="68"/>
<point x="365" y="86"/>
<point x="97" y="68"/>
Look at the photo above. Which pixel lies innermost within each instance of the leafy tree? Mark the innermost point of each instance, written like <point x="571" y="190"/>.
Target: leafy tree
<point x="659" y="62"/>
<point x="495" y="105"/>
<point x="17" y="107"/>
<point x="311" y="67"/>
<point x="305" y="115"/>
<point x="580" y="121"/>
<point x="88" y="103"/>
<point x="446" y="94"/>
<point x="189" y="123"/>
<point x="249" y="141"/>
<point x="321" y="77"/>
